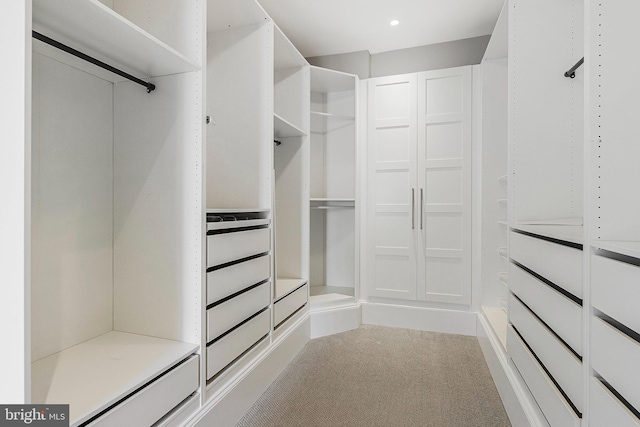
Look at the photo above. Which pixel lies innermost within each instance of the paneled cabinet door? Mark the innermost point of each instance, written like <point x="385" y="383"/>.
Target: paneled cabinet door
<point x="419" y="186"/>
<point x="444" y="183"/>
<point x="392" y="191"/>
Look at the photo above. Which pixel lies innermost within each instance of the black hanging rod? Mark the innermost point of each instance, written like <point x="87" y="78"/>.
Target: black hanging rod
<point x="572" y="71"/>
<point x="72" y="51"/>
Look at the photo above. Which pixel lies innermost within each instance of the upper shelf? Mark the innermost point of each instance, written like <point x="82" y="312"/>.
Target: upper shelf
<point x="327" y="81"/>
<point x="282" y="128"/>
<point x="94" y="29"/>
<point x="498" y="47"/>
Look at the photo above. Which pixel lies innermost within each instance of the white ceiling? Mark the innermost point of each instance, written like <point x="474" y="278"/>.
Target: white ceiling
<point x="325" y="27"/>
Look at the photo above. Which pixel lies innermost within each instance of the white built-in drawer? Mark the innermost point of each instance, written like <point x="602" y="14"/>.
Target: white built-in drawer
<point x="155" y="400"/>
<point x="560" y="313"/>
<point x="616" y="357"/>
<point x="286" y="306"/>
<point x="561" y="363"/>
<point x="230" y="313"/>
<point x="227" y="247"/>
<point x="228" y="280"/>
<point x="606" y="410"/>
<point x="560" y="264"/>
<point x="555" y="408"/>
<point x="228" y="348"/>
<point x="615" y="290"/>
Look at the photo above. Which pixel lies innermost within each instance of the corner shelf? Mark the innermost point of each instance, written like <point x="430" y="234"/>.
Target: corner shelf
<point x="94" y="29"/>
<point x="285" y="285"/>
<point x="285" y="129"/>
<point x="332" y="116"/>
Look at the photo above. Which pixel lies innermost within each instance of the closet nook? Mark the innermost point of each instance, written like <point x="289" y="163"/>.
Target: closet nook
<point x="115" y="207"/>
<point x="333" y="220"/>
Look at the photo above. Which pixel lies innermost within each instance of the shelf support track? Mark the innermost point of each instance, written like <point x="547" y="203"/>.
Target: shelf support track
<point x="150" y="86"/>
<point x="572" y="71"/>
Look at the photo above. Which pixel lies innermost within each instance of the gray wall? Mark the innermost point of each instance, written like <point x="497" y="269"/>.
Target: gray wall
<point x="422" y="58"/>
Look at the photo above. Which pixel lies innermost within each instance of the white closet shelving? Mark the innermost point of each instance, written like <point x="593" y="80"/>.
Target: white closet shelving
<point x="264" y="82"/>
<point x="333" y="224"/>
<point x="112" y="301"/>
<point x="614" y="209"/>
<point x="495" y="181"/>
<point x="546" y="335"/>
<point x="291" y="190"/>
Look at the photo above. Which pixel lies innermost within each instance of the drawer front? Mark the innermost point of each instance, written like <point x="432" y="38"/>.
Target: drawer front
<point x="563" y="365"/>
<point x="553" y="405"/>
<point x="606" y="410"/>
<point x="615" y="290"/>
<point x="230" y="313"/>
<point x="289" y="304"/>
<point x="615" y="357"/>
<point x="227" y="247"/>
<point x="229" y="280"/>
<point x="562" y="315"/>
<point x="155" y="400"/>
<point x="561" y="265"/>
<point x="228" y="348"/>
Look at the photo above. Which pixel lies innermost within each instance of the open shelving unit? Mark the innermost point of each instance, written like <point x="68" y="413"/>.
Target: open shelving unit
<point x="333" y="200"/>
<point x="107" y="323"/>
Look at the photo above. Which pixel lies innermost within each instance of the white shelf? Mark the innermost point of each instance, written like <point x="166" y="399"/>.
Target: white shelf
<point x="94" y="29"/>
<point x="503" y="223"/>
<point x="504" y="254"/>
<point x="332" y="116"/>
<point x="285" y="129"/>
<point x="503" y="278"/>
<point x="94" y="375"/>
<point x="284" y="285"/>
<point x="503" y="201"/>
<point x="327" y="81"/>
<point x="330" y="300"/>
<point x="503" y="179"/>
<point x="631" y="249"/>
<point x="498" y="320"/>
<point x="568" y="233"/>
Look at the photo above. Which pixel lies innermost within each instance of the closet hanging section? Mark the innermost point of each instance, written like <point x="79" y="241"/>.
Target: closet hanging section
<point x="572" y="71"/>
<point x="150" y="86"/>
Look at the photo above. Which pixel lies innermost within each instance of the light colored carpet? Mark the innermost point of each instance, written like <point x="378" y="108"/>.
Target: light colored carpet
<point x="377" y="376"/>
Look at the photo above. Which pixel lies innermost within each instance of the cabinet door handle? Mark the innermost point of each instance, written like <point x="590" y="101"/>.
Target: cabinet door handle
<point x="421" y="207"/>
<point x="413" y="208"/>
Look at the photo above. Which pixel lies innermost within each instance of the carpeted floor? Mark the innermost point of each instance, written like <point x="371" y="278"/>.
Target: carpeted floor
<point x="377" y="376"/>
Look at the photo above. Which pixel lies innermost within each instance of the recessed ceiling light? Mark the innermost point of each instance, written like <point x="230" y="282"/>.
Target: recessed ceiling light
<point x="394" y="22"/>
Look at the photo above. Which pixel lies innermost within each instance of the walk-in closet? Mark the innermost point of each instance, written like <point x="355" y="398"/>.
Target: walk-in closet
<point x="195" y="190"/>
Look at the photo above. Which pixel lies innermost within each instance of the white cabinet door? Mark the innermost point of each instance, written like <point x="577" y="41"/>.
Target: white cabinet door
<point x="391" y="186"/>
<point x="419" y="186"/>
<point x="444" y="185"/>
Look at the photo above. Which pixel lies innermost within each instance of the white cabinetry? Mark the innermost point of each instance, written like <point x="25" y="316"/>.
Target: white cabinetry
<point x="115" y="205"/>
<point x="419" y="186"/>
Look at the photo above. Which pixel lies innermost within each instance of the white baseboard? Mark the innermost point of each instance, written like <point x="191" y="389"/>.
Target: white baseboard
<point x="419" y="318"/>
<point x="516" y="398"/>
<point x="335" y="320"/>
<point x="229" y="405"/>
